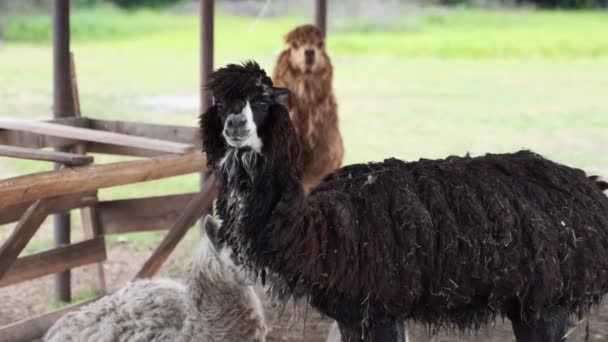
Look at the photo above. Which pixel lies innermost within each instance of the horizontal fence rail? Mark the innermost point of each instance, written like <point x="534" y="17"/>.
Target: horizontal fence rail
<point x="93" y="177"/>
<point x="91" y="135"/>
<point x="33" y="140"/>
<point x="12" y="213"/>
<point x="141" y="214"/>
<point x="70" y="159"/>
<point x="180" y="134"/>
<point x="55" y="260"/>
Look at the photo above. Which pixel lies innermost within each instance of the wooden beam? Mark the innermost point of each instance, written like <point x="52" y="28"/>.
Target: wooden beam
<point x="87" y="178"/>
<point x="12" y="213"/>
<point x="207" y="13"/>
<point x="89" y="215"/>
<point x="70" y="159"/>
<point x="180" y="134"/>
<point x="92" y="230"/>
<point x="321" y="15"/>
<point x="122" y="150"/>
<point x="26" y="139"/>
<point x="90" y="135"/>
<point x="206" y="35"/>
<point x="74" y="84"/>
<point x="29" y="224"/>
<point x="192" y="212"/>
<point x="55" y="260"/>
<point x="141" y="214"/>
<point x="34" y="328"/>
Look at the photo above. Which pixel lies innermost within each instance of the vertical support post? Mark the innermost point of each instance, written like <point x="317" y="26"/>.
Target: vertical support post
<point x="206" y="62"/>
<point x="206" y="36"/>
<point x="321" y="15"/>
<point x="62" y="107"/>
<point x="90" y="216"/>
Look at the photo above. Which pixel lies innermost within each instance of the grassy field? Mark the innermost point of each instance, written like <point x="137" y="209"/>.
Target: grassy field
<point x="427" y="83"/>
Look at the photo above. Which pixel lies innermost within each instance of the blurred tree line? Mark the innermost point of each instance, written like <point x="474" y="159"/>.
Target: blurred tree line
<point x="566" y="4"/>
<point x="547" y="4"/>
<point x="45" y="4"/>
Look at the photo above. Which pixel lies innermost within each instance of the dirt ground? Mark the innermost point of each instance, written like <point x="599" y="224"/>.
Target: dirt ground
<point x="34" y="297"/>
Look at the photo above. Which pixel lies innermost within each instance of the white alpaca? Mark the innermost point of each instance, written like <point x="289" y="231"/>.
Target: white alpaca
<point x="215" y="304"/>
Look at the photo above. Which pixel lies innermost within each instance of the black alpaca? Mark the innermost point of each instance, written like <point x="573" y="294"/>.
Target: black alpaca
<point x="449" y="243"/>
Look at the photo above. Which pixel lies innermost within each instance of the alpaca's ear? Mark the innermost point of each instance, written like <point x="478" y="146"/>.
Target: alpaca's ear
<point x="211" y="129"/>
<point x="279" y="95"/>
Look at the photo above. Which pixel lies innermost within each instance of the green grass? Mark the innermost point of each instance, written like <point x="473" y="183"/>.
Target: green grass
<point x="90" y="24"/>
<point x="485" y="34"/>
<point x="435" y="83"/>
<point x="78" y="297"/>
<point x="143" y="240"/>
<point x="460" y="33"/>
<point x="40" y="244"/>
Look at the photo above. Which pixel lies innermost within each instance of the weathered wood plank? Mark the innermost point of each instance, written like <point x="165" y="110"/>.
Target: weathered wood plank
<point x="12" y="213"/>
<point x="55" y="260"/>
<point x="192" y="212"/>
<point x="87" y="178"/>
<point x="141" y="214"/>
<point x="181" y="134"/>
<point x="121" y="150"/>
<point x="34" y="328"/>
<point x="32" y="140"/>
<point x="28" y="225"/>
<point x="92" y="229"/>
<point x="89" y="215"/>
<point x="91" y="135"/>
<point x="70" y="159"/>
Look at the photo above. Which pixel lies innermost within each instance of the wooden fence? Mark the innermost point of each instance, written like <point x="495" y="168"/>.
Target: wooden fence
<point x="167" y="151"/>
<point x="29" y="199"/>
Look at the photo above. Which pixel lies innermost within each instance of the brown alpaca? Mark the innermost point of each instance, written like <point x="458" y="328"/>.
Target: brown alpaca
<point x="305" y="69"/>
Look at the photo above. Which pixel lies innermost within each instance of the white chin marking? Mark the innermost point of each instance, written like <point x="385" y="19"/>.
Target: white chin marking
<point x="252" y="140"/>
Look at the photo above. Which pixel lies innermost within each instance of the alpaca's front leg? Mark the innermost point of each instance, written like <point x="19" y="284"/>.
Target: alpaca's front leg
<point x="384" y="330"/>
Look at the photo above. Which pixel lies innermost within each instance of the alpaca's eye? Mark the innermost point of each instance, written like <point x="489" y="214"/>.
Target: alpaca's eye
<point x="294" y="45"/>
<point x="320" y="45"/>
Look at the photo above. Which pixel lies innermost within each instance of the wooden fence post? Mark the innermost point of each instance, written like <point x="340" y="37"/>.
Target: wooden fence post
<point x="206" y="65"/>
<point x="89" y="216"/>
<point x="321" y="15"/>
<point x="62" y="107"/>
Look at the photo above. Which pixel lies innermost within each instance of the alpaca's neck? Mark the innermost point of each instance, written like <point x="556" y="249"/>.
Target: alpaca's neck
<point x="310" y="90"/>
<point x="217" y="303"/>
<point x="250" y="193"/>
<point x="266" y="215"/>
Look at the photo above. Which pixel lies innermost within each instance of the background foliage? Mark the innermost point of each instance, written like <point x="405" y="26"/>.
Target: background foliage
<point x="566" y="4"/>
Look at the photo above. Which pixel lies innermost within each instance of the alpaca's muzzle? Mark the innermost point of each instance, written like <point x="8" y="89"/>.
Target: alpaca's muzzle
<point x="309" y="57"/>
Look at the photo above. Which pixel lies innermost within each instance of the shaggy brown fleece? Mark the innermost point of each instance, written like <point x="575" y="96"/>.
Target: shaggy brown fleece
<point x="305" y="69"/>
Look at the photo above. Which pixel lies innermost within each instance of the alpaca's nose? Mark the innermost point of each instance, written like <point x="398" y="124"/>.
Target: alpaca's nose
<point x="236" y="121"/>
<point x="309" y="56"/>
